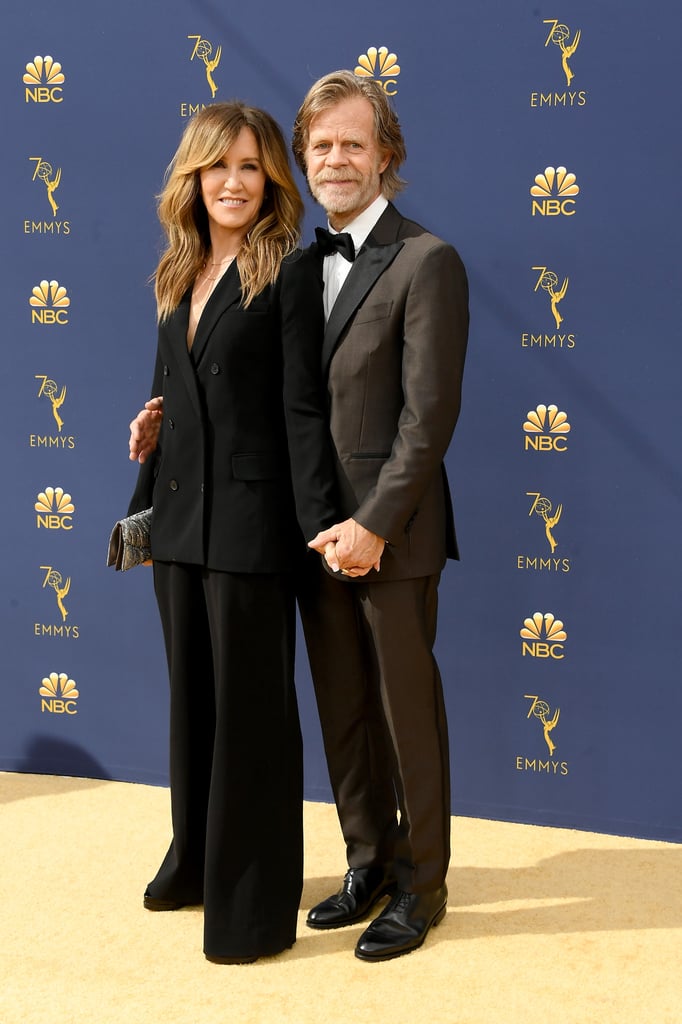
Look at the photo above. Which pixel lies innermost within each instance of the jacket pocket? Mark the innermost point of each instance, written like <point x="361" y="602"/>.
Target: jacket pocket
<point x="369" y="455"/>
<point x="379" y="311"/>
<point x="258" y="466"/>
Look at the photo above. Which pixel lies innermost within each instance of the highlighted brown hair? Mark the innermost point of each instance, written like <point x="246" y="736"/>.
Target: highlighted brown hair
<point x="207" y="137"/>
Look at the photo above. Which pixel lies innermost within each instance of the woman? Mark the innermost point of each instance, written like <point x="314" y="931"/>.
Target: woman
<point x="242" y="451"/>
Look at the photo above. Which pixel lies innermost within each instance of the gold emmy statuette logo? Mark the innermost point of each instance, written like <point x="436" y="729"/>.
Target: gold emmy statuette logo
<point x="540" y="709"/>
<point x="55" y="509"/>
<point x="559" y="35"/>
<point x="49" y="302"/>
<point x="537" y="627"/>
<point x="381" y="65"/>
<point x="43" y="171"/>
<point x="549" y="281"/>
<point x="203" y="50"/>
<point x="554" y="189"/>
<point x="54" y="579"/>
<point x="543" y="507"/>
<point x="43" y="79"/>
<point x="546" y="428"/>
<point x="59" y="694"/>
<point x="50" y="389"/>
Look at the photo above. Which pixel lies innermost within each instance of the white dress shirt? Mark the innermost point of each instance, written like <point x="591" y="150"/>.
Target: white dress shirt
<point x="336" y="268"/>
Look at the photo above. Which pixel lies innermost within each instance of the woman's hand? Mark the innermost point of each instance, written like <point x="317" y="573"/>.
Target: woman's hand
<point x="144" y="430"/>
<point x="349" y="548"/>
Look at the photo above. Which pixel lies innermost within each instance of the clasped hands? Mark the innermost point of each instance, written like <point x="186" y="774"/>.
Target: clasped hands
<point x="349" y="548"/>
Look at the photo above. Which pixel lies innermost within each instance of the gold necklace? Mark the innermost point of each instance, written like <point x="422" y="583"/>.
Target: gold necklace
<point x="198" y="303"/>
<point x="224" y="264"/>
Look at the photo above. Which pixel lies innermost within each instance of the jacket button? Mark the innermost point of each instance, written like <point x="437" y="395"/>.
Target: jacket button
<point x="202" y="488"/>
<point x="173" y="485"/>
<point x="166" y="371"/>
<point x="215" y="368"/>
<point x="171" y="424"/>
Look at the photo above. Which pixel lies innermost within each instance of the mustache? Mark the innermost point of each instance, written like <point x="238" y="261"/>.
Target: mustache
<point x="320" y="179"/>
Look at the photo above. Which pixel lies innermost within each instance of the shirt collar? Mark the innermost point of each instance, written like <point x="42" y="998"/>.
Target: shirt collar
<point x="360" y="228"/>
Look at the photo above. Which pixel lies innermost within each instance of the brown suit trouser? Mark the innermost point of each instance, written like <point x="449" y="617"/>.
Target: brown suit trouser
<point x="382" y="712"/>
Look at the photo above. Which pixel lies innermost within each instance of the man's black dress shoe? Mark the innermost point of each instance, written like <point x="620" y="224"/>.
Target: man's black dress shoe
<point x="403" y="925"/>
<point x="362" y="888"/>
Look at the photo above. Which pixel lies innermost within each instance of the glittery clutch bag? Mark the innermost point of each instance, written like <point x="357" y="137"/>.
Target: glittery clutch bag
<point x="129" y="542"/>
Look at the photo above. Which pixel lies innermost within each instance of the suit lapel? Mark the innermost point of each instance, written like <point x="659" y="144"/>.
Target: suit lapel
<point x="369" y="265"/>
<point x="378" y="252"/>
<point x="177" y="337"/>
<point x="226" y="294"/>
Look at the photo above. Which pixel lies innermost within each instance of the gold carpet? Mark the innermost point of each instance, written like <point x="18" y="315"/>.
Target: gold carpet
<point x="543" y="925"/>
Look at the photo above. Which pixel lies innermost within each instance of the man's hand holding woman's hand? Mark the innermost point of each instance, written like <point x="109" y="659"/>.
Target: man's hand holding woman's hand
<point x="349" y="548"/>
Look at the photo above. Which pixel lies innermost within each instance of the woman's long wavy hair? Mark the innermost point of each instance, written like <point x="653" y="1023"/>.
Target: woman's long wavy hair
<point x="182" y="213"/>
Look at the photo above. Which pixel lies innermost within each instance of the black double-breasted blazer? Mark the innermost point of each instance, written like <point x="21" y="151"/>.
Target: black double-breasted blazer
<point x="242" y="472"/>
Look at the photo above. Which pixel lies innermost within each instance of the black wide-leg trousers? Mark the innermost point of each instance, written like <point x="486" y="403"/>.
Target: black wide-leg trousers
<point x="236" y="770"/>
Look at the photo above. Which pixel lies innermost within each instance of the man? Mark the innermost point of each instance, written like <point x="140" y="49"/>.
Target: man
<point x="396" y="305"/>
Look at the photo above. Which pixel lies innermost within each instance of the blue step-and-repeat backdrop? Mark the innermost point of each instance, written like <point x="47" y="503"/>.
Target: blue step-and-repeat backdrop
<point x="543" y="142"/>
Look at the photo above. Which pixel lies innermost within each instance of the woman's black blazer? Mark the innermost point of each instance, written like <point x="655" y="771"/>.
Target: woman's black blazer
<point x="244" y="450"/>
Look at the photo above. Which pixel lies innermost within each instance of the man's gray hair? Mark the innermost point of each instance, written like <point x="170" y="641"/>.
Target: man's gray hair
<point x="344" y="85"/>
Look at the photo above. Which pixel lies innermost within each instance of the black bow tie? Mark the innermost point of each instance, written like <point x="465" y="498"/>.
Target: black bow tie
<point x="330" y="243"/>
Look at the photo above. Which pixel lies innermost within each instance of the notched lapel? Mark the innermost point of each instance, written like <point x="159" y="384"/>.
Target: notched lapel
<point x="371" y="262"/>
<point x="177" y="337"/>
<point x="227" y="293"/>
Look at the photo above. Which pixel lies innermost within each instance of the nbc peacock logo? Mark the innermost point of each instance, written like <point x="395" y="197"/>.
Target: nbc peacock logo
<point x="43" y="79"/>
<point x="59" y="694"/>
<point x="55" y="509"/>
<point x="543" y="636"/>
<point x="553" y="193"/>
<point x="546" y="428"/>
<point x="380" y="64"/>
<point x="49" y="302"/>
